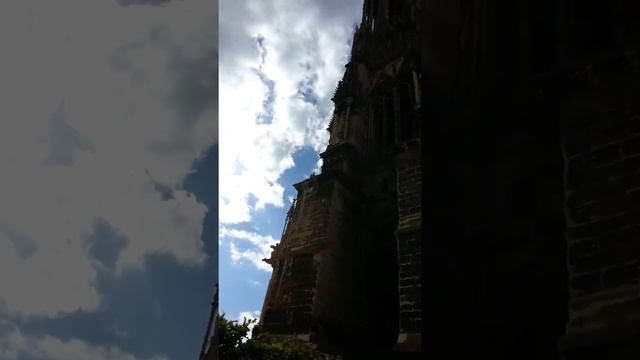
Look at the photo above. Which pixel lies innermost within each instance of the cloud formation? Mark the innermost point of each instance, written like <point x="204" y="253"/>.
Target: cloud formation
<point x="250" y="246"/>
<point x="64" y="140"/>
<point x="249" y="315"/>
<point x="89" y="115"/>
<point x="105" y="243"/>
<point x="278" y="72"/>
<point x="23" y="246"/>
<point x="14" y="345"/>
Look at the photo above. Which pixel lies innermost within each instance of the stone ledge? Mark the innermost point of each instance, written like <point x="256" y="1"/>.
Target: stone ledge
<point x="409" y="229"/>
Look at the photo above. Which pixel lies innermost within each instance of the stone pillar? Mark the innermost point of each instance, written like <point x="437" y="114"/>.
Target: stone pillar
<point x="409" y="237"/>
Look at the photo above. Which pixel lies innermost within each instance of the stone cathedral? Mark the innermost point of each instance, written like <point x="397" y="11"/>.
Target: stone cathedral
<point x="528" y="113"/>
<point x="347" y="271"/>
<point x="532" y="179"/>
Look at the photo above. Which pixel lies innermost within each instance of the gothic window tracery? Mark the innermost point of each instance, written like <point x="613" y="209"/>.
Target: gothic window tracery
<point x="373" y="13"/>
<point x="391" y="115"/>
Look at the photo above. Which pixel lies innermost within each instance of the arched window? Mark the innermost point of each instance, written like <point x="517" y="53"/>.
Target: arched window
<point x="373" y="13"/>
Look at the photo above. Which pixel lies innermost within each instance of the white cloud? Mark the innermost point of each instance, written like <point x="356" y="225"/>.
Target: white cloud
<point x="266" y="51"/>
<point x="249" y="315"/>
<point x="133" y="102"/>
<point x="318" y="168"/>
<point x="14" y="345"/>
<point x="245" y="245"/>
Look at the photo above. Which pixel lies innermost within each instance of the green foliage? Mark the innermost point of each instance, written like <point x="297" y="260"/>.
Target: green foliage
<point x="231" y="335"/>
<point x="234" y="344"/>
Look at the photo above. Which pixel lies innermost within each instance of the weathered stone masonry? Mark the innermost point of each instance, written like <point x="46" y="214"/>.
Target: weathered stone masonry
<point x="532" y="139"/>
<point x="409" y="237"/>
<point x="347" y="271"/>
<point x="532" y="130"/>
<point x="602" y="152"/>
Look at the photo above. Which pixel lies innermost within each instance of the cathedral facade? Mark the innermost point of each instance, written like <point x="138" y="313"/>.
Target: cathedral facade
<point x="529" y="116"/>
<point x="347" y="271"/>
<point x="532" y="167"/>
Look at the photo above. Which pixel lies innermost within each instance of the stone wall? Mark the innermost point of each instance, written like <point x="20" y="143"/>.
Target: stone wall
<point x="339" y="306"/>
<point x="493" y="204"/>
<point x="366" y="258"/>
<point x="409" y="239"/>
<point x="602" y="152"/>
<point x="514" y="104"/>
<point x="289" y="302"/>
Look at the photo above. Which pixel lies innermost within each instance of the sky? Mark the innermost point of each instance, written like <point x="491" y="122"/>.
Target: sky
<point x="280" y="62"/>
<point x="109" y="177"/>
<point x="120" y="206"/>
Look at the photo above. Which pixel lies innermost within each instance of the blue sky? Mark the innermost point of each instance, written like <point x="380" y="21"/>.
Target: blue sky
<point x="109" y="162"/>
<point x="280" y="62"/>
<point x="242" y="283"/>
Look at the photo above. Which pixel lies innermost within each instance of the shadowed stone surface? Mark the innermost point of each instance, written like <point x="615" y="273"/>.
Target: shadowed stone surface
<point x="347" y="271"/>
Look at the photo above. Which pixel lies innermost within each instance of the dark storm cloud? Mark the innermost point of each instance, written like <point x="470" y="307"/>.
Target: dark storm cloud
<point x="64" y="140"/>
<point x="23" y="245"/>
<point x="105" y="243"/>
<point x="143" y="2"/>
